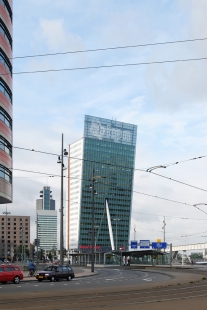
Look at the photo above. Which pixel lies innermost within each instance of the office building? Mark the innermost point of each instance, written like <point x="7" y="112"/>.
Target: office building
<point x="107" y="148"/>
<point x="46" y="224"/>
<point x="5" y="101"/>
<point x="14" y="232"/>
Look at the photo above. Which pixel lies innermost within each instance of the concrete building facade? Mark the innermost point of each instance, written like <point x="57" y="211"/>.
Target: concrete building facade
<point x="14" y="232"/>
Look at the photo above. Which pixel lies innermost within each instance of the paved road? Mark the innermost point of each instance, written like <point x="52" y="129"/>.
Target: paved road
<point x="113" y="289"/>
<point x="105" y="278"/>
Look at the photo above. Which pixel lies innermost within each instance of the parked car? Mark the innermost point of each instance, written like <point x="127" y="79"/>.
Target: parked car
<point x="6" y="261"/>
<point x="56" y="273"/>
<point x="10" y="273"/>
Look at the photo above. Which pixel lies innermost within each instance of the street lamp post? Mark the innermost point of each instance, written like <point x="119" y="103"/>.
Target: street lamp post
<point x="37" y="240"/>
<point x="116" y="219"/>
<point x="60" y="161"/>
<point x="164" y="224"/>
<point x="94" y="180"/>
<point x="6" y="213"/>
<point x="23" y="250"/>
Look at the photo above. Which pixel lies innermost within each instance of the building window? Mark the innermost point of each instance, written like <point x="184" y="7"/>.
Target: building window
<point x="4" y="31"/>
<point x="5" y="61"/>
<point x="7" y="7"/>
<point x="5" y="174"/>
<point x="6" y="146"/>
<point x="5" y="89"/>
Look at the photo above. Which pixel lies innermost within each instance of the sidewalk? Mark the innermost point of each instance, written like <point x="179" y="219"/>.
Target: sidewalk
<point x="78" y="271"/>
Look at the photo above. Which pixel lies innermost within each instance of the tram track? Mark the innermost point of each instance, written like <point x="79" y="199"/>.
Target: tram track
<point x="106" y="300"/>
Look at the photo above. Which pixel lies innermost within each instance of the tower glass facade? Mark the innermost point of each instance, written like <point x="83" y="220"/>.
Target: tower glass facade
<point x="108" y="148"/>
<point x="46" y="220"/>
<point x="5" y="101"/>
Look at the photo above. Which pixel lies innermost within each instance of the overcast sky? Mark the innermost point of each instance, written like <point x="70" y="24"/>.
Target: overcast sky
<point x="166" y="101"/>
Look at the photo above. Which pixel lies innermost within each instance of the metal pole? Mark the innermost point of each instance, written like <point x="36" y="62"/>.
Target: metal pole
<point x="116" y="234"/>
<point x="61" y="207"/>
<point x="37" y="239"/>
<point x="6" y="243"/>
<point x="92" y="241"/>
<point x="170" y="254"/>
<point x="6" y="236"/>
<point x="164" y="228"/>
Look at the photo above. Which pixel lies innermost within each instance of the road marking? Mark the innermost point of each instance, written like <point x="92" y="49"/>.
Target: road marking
<point x="148" y="279"/>
<point x="36" y="285"/>
<point x="77" y="283"/>
<point x="64" y="284"/>
<point x="88" y="282"/>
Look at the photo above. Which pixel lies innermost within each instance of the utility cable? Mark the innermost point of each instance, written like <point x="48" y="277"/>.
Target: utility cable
<point x="169" y="216"/>
<point x="123" y="167"/>
<point x="160" y="175"/>
<point x="106" y="66"/>
<point x="102" y="183"/>
<point x="109" y="48"/>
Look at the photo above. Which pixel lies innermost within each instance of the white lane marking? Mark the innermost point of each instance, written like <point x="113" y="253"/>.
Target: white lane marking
<point x="64" y="284"/>
<point x="77" y="283"/>
<point x="36" y="285"/>
<point x="88" y="282"/>
<point x="148" y="279"/>
<point x="18" y="285"/>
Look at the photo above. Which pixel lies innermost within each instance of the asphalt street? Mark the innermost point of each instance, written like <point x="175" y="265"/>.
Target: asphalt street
<point x="105" y="278"/>
<point x="150" y="288"/>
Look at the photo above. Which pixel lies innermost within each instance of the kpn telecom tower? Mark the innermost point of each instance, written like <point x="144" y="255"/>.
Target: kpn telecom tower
<point x="106" y="150"/>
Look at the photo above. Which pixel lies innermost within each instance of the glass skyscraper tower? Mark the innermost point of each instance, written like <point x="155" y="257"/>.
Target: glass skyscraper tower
<point x="108" y="147"/>
<point x="46" y="229"/>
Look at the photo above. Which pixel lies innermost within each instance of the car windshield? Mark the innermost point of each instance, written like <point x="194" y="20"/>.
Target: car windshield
<point x="51" y="268"/>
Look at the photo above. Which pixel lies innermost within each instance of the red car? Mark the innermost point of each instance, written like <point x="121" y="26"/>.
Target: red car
<point x="10" y="273"/>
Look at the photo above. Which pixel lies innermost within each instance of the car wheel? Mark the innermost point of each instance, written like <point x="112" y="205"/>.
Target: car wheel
<point x="52" y="279"/>
<point x="69" y="278"/>
<point x="4" y="282"/>
<point x="16" y="280"/>
<point x="40" y="280"/>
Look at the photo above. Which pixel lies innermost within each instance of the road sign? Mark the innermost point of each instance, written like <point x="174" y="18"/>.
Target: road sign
<point x="144" y="244"/>
<point x="134" y="244"/>
<point x="159" y="245"/>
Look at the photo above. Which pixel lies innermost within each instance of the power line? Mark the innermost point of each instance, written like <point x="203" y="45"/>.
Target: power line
<point x="160" y="175"/>
<point x="179" y="162"/>
<point x="109" y="48"/>
<point x="175" y="217"/>
<point x="123" y="167"/>
<point x="106" y="66"/>
<point x="102" y="183"/>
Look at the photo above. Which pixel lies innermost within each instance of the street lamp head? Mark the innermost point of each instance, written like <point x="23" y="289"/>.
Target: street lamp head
<point x="65" y="152"/>
<point x="59" y="160"/>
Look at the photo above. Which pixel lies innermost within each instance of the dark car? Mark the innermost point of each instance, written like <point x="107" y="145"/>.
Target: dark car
<point x="55" y="272"/>
<point x="10" y="273"/>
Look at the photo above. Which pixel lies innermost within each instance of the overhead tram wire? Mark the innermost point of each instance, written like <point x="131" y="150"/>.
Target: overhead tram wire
<point x="109" y="48"/>
<point x="106" y="66"/>
<point x="108" y="184"/>
<point x="169" y="216"/>
<point x="123" y="167"/>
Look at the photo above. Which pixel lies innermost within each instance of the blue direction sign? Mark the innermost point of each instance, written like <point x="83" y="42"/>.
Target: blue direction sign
<point x="134" y="244"/>
<point x="159" y="245"/>
<point x="144" y="244"/>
